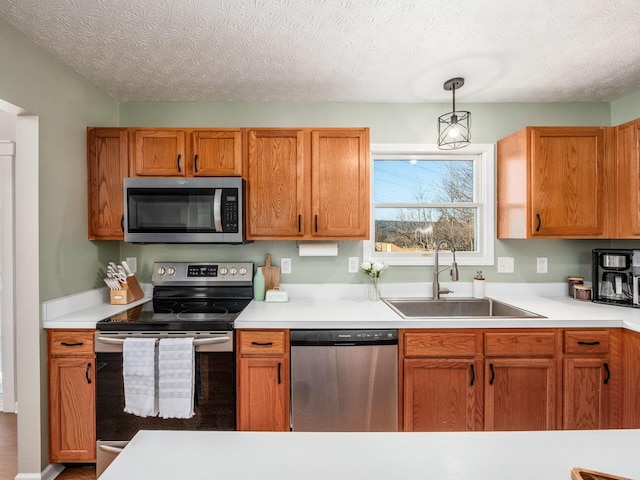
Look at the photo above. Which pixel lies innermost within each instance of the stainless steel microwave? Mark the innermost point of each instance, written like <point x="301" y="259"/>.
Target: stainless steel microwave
<point x="184" y="210"/>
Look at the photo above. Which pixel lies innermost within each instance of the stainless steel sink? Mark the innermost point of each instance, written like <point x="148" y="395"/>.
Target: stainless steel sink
<point x="456" y="308"/>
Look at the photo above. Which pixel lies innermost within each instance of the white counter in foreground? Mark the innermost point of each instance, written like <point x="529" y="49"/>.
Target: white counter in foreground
<point x="323" y="456"/>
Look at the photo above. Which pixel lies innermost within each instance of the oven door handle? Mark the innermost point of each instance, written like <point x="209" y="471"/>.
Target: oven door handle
<point x="197" y="342"/>
<point x="110" y="449"/>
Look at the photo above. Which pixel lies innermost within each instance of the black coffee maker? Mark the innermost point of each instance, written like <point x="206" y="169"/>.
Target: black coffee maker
<point x="614" y="281"/>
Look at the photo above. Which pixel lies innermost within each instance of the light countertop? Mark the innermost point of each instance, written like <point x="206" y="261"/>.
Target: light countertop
<point x="546" y="455"/>
<point x="347" y="307"/>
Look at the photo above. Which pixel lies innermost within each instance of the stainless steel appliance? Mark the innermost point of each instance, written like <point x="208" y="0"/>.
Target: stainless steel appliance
<point x="184" y="210"/>
<point x="344" y="380"/>
<point x="616" y="276"/>
<point x="199" y="300"/>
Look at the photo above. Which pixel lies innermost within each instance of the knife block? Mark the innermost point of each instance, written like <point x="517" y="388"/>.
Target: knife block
<point x="129" y="292"/>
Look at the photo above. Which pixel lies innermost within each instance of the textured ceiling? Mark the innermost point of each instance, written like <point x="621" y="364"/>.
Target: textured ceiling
<point x="342" y="50"/>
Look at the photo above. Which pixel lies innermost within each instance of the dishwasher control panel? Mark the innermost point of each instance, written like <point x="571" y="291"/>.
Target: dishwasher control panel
<point x="344" y="337"/>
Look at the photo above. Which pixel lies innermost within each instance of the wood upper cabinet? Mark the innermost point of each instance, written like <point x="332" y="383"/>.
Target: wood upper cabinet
<point x="553" y="182"/>
<point x="160" y="152"/>
<point x="186" y="152"/>
<point x="442" y="376"/>
<point x="521" y="383"/>
<point x="308" y="184"/>
<point x="107" y="165"/>
<point x="628" y="179"/>
<point x="263" y="380"/>
<point x="72" y="422"/>
<point x="215" y="153"/>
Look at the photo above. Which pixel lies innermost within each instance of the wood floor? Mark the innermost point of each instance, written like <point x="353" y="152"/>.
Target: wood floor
<point x="9" y="455"/>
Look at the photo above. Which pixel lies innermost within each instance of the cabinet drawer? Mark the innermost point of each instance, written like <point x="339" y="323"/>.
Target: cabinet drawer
<point x="586" y="341"/>
<point x="261" y="343"/>
<point x="521" y="344"/>
<point x="71" y="342"/>
<point x="439" y="344"/>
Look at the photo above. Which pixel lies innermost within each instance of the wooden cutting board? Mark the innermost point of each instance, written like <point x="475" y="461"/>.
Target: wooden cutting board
<point x="582" y="474"/>
<point x="271" y="274"/>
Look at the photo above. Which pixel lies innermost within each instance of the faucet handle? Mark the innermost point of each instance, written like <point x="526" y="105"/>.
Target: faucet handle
<point x="445" y="290"/>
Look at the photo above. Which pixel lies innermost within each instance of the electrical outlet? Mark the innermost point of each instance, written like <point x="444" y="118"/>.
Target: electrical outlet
<point x="285" y="265"/>
<point x="505" y="265"/>
<point x="353" y="265"/>
<point x="543" y="264"/>
<point x="133" y="264"/>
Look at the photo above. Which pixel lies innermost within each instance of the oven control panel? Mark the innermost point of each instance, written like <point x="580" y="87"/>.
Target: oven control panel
<point x="202" y="273"/>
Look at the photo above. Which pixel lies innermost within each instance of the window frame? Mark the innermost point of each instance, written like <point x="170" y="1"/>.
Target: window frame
<point x="485" y="192"/>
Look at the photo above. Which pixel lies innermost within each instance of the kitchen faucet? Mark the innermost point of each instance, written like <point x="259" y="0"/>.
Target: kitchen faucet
<point x="436" y="270"/>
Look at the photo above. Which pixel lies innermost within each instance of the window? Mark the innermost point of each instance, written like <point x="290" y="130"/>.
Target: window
<point x="422" y="195"/>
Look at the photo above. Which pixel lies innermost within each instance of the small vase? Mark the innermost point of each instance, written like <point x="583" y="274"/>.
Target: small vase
<point x="374" y="289"/>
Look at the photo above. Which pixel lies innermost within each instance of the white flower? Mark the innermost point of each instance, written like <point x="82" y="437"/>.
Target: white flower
<point x="373" y="268"/>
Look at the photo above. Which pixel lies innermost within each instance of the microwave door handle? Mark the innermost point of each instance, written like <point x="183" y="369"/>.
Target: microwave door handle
<point x="217" y="209"/>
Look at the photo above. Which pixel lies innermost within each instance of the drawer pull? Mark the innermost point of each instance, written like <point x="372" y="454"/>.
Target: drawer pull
<point x="473" y="375"/>
<point x="67" y="344"/>
<point x="262" y="344"/>
<point x="493" y="374"/>
<point x="608" y="377"/>
<point x="589" y="343"/>
<point x="86" y="373"/>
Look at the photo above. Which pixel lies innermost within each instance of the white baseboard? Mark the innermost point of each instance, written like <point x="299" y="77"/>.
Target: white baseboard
<point x="50" y="472"/>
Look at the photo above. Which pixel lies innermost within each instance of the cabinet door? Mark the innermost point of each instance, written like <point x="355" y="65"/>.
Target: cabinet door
<point x="628" y="184"/>
<point x="586" y="404"/>
<point x="340" y="183"/>
<point x="442" y="395"/>
<point x="159" y="153"/>
<point x="263" y="394"/>
<point x="631" y="375"/>
<point x="72" y="409"/>
<point x="216" y="153"/>
<point x="567" y="175"/>
<point x="276" y="184"/>
<point x="107" y="166"/>
<point x="520" y="394"/>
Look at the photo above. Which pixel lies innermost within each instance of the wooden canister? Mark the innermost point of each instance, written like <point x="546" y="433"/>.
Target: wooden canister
<point x="571" y="283"/>
<point x="582" y="292"/>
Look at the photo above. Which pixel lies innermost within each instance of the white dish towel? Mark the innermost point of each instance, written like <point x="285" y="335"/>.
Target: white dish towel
<point x="139" y="375"/>
<point x="176" y="362"/>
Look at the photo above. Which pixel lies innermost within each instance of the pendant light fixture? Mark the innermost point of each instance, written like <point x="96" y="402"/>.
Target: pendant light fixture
<point x="453" y="127"/>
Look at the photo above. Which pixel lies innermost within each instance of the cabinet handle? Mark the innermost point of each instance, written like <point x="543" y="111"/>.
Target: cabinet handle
<point x="279" y="375"/>
<point x="589" y="343"/>
<point x="262" y="344"/>
<point x="86" y="373"/>
<point x="606" y="369"/>
<point x="316" y="223"/>
<point x="473" y="375"/>
<point x="122" y="223"/>
<point x="299" y="223"/>
<point x="539" y="222"/>
<point x="493" y="374"/>
<point x="195" y="162"/>
<point x="67" y="344"/>
<point x="179" y="169"/>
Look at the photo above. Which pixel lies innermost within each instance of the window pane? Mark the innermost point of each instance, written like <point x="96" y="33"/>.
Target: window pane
<point x="415" y="181"/>
<point x="411" y="230"/>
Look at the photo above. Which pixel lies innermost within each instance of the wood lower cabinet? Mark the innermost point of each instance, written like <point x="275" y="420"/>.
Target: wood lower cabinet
<point x="441" y="388"/>
<point x="630" y="392"/>
<point x="591" y="379"/>
<point x="521" y="381"/>
<point x="556" y="182"/>
<point x="263" y="380"/>
<point x="72" y="423"/>
<point x="308" y="184"/>
<point x="107" y="165"/>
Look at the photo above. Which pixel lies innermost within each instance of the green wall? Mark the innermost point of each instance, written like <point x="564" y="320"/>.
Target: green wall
<point x="389" y="123"/>
<point x="625" y="109"/>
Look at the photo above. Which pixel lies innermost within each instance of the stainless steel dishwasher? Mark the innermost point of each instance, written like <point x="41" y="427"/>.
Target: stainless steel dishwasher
<point x="344" y="380"/>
